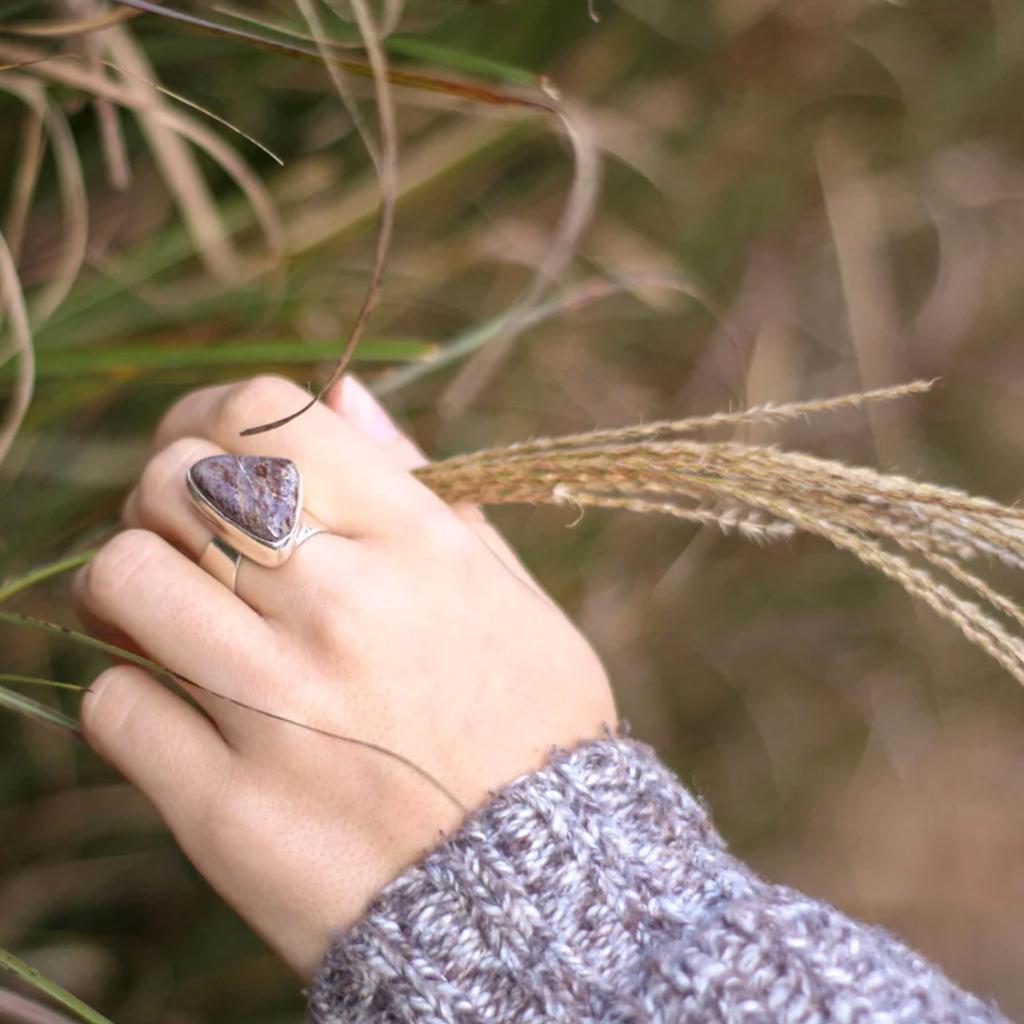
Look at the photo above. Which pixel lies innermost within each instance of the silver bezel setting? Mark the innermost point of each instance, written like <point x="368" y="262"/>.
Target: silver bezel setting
<point x="267" y="553"/>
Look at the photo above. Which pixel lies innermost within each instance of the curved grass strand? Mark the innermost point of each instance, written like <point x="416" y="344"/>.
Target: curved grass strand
<point x="75" y="205"/>
<point x="165" y="675"/>
<point x="180" y="98"/>
<point x="70" y="74"/>
<point x="386" y="162"/>
<point x="63" y="28"/>
<point x="25" y="180"/>
<point x="14" y="299"/>
<point x="71" y="186"/>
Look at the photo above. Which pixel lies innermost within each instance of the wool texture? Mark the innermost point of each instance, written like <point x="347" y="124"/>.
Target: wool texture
<point x="597" y="890"/>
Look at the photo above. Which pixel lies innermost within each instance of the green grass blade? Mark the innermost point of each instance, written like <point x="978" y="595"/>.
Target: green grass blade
<point x="39" y="981"/>
<point x="480" y="334"/>
<point x="400" y="46"/>
<point x="53" y="629"/>
<point x="136" y="359"/>
<point x="459" y="60"/>
<point x="36" y="710"/>
<point x="7" y="677"/>
<point x="43" y="572"/>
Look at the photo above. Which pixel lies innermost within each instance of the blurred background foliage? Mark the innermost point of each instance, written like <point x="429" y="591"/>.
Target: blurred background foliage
<point x="839" y="182"/>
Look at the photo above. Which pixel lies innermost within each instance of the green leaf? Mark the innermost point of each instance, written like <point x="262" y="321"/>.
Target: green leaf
<point x="39" y="981"/>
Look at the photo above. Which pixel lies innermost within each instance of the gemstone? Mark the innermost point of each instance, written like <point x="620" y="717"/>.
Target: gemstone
<point x="258" y="493"/>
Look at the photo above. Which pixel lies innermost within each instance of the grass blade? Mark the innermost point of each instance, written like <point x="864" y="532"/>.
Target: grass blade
<point x="133" y="360"/>
<point x="39" y="981"/>
<point x="478" y="92"/>
<point x="43" y="572"/>
<point x="53" y="629"/>
<point x="401" y="46"/>
<point x="36" y="710"/>
<point x="41" y="712"/>
<point x="7" y="677"/>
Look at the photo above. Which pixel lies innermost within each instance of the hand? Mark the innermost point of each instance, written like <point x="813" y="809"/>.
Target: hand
<point x="411" y="626"/>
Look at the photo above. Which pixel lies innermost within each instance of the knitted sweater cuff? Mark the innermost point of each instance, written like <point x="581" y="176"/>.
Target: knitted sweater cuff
<point x="539" y="907"/>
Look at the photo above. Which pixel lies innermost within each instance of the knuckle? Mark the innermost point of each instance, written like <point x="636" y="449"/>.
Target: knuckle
<point x="116" y="563"/>
<point x="258" y="398"/>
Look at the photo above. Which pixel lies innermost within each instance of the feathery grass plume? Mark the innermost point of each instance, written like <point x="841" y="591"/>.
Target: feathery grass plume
<point x="764" y="493"/>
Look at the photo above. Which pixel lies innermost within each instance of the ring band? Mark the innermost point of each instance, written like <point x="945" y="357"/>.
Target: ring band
<point x="253" y="503"/>
<point x="221" y="562"/>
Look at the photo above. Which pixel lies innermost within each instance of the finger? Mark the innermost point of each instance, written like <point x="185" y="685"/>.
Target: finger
<point x="347" y="485"/>
<point x="161" y="503"/>
<point x="180" y="616"/>
<point x="159" y="743"/>
<point x="95" y="626"/>
<point x="354" y="402"/>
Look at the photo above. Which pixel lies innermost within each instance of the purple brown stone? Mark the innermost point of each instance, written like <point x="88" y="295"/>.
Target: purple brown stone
<point x="258" y="493"/>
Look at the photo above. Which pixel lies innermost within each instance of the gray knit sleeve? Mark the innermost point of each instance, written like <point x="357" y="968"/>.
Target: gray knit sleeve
<point x="597" y="890"/>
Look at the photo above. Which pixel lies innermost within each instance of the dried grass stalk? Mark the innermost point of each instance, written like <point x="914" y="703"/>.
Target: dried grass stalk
<point x="763" y="493"/>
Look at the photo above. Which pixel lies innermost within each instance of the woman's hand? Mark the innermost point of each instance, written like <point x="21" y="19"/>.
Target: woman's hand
<point x="412" y="626"/>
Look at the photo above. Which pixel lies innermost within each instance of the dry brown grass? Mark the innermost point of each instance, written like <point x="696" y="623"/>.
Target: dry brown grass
<point x="762" y="494"/>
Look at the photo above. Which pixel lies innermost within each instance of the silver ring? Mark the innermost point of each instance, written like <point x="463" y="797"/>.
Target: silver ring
<point x="253" y="503"/>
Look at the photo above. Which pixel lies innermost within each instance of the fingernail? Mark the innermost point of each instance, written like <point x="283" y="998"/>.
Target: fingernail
<point x="365" y="413"/>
